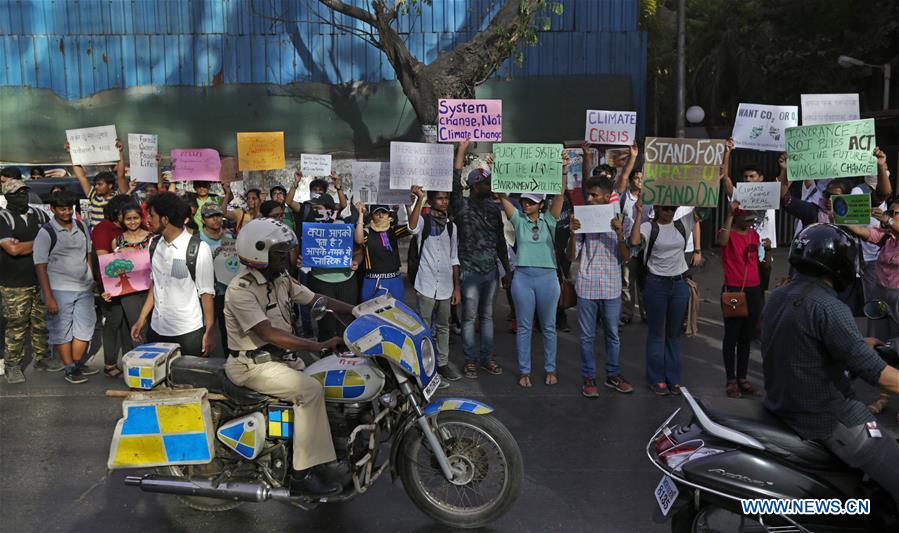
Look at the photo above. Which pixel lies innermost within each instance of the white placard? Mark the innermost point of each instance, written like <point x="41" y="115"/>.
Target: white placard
<point x="315" y="165"/>
<point x="758" y="196"/>
<point x="762" y="127"/>
<point x="371" y="184"/>
<point x="827" y="108"/>
<point x="92" y="145"/>
<point x="611" y="127"/>
<point x="142" y="150"/>
<point x="428" y="165"/>
<point x="595" y="218"/>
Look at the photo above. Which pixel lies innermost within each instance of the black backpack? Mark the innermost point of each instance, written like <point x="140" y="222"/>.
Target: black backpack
<point x="193" y="250"/>
<point x="416" y="247"/>
<point x="10" y="218"/>
<point x="643" y="256"/>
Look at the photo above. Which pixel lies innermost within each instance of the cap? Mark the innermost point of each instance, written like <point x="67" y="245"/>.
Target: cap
<point x="277" y="188"/>
<point x="211" y="209"/>
<point x="477" y="176"/>
<point x="379" y="207"/>
<point x="325" y="200"/>
<point x="12" y="186"/>
<point x="536" y="198"/>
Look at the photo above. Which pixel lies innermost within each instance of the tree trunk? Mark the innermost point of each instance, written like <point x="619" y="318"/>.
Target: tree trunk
<point x="125" y="284"/>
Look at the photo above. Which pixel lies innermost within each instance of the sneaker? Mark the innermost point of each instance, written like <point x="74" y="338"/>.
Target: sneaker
<point x="444" y="384"/>
<point x="619" y="383"/>
<point x="449" y="372"/>
<point x="75" y="376"/>
<point x="14" y="374"/>
<point x="86" y="370"/>
<point x="590" y="390"/>
<point x="49" y="364"/>
<point x="659" y="389"/>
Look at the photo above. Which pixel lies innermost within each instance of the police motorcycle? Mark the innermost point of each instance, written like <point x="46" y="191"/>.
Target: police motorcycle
<point x="215" y="445"/>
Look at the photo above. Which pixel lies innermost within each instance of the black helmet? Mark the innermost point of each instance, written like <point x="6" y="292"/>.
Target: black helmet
<point x="825" y="249"/>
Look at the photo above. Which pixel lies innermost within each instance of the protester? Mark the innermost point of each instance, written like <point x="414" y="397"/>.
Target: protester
<point x="36" y="173"/>
<point x="666" y="293"/>
<point x="535" y="285"/>
<point x="201" y="197"/>
<point x="62" y="261"/>
<point x="598" y="289"/>
<point x="278" y="195"/>
<point x="176" y="292"/>
<point x="23" y="309"/>
<point x="317" y="187"/>
<point x="104" y="185"/>
<point x="481" y="244"/>
<point x="214" y="235"/>
<point x="14" y="173"/>
<point x="740" y="257"/>
<point x="272" y="209"/>
<point x="241" y="217"/>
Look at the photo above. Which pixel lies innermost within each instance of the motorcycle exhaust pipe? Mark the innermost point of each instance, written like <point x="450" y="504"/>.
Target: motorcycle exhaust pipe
<point x="228" y="490"/>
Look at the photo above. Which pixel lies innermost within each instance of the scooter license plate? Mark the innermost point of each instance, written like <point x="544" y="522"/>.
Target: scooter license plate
<point x="666" y="494"/>
<point x="432" y="387"/>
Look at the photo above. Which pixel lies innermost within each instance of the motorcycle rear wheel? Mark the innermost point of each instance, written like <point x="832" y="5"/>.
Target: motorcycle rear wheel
<point x="484" y="454"/>
<point x="198" y="503"/>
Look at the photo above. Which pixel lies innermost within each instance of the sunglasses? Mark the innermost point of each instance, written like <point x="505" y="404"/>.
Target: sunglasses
<point x="535" y="232"/>
<point x="890" y="212"/>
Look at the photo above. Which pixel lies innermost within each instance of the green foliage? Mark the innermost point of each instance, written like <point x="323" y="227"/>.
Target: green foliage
<point x="118" y="267"/>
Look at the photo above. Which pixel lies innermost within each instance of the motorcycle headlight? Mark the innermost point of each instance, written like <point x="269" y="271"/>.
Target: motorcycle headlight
<point x="428" y="360"/>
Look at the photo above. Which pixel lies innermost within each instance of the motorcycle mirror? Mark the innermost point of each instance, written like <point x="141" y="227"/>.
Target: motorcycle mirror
<point x="876" y="310"/>
<point x="319" y="309"/>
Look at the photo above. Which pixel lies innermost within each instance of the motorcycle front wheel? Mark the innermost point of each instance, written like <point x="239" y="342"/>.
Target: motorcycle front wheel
<point x="487" y="465"/>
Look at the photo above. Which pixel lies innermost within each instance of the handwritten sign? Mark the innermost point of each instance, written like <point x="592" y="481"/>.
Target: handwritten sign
<point x="125" y="272"/>
<point x="228" y="172"/>
<point x="225" y="261"/>
<point x="595" y="218"/>
<point x="92" y="145"/>
<point x="478" y="120"/>
<point x="527" y="168"/>
<point x="611" y="127"/>
<point x="196" y="164"/>
<point x="576" y="170"/>
<point x="371" y="184"/>
<point x="828" y="108"/>
<point x="142" y="150"/>
<point x="315" y="164"/>
<point x="831" y="150"/>
<point x="260" y="150"/>
<point x="851" y="208"/>
<point x="758" y="195"/>
<point x="682" y="172"/>
<point x="327" y="245"/>
<point x="761" y="127"/>
<point x="428" y="165"/>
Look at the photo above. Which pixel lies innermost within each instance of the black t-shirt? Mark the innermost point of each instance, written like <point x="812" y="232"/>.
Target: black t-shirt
<point x="382" y="254"/>
<point x="18" y="271"/>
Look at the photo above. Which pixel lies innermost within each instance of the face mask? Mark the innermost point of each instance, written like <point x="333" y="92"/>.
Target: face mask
<point x="17" y="203"/>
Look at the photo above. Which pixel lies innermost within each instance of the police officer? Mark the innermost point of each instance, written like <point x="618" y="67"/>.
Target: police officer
<point x="258" y="316"/>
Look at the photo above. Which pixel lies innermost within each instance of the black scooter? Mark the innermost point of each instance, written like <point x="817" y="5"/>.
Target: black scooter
<point x="737" y="450"/>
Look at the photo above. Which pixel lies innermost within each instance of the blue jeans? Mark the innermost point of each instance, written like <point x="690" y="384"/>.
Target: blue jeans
<point x="536" y="288"/>
<point x="478" y="291"/>
<point x="586" y="317"/>
<point x="666" y="306"/>
<point x="393" y="285"/>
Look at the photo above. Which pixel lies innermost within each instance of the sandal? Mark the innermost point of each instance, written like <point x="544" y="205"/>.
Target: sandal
<point x="492" y="368"/>
<point x="747" y="388"/>
<point x="732" y="389"/>
<point x="551" y="378"/>
<point x="470" y="370"/>
<point x="879" y="405"/>
<point x="112" y="371"/>
<point x="524" y="381"/>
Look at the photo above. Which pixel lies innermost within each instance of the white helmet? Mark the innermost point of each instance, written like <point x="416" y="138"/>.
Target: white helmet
<point x="257" y="238"/>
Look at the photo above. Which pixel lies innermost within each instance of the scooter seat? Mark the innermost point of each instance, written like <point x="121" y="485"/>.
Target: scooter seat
<point x="751" y="418"/>
<point x="241" y="395"/>
<point x="209" y="373"/>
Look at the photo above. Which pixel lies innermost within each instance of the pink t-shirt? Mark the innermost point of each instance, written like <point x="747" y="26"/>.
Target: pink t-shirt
<point x="741" y="257"/>
<point x="887" y="265"/>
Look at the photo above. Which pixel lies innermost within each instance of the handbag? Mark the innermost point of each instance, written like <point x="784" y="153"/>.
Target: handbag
<point x="733" y="304"/>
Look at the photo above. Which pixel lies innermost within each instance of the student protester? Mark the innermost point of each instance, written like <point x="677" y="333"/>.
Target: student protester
<point x="200" y="198"/>
<point x="272" y="209"/>
<point x="278" y="195"/>
<point x="741" y="257"/>
<point x="317" y="187"/>
<point x="628" y="187"/>
<point x="104" y="185"/>
<point x="62" y="261"/>
<point x="598" y="288"/>
<point x="241" y="217"/>
<point x="535" y="285"/>
<point x="176" y="293"/>
<point x="481" y="244"/>
<point x="380" y="246"/>
<point x="666" y="293"/>
<point x="214" y="234"/>
<point x="437" y="277"/>
<point x="23" y="308"/>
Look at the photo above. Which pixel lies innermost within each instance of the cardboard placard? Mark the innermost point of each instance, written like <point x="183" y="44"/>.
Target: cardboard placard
<point x="837" y="150"/>
<point x="576" y="171"/>
<point x="757" y="196"/>
<point x="260" y="150"/>
<point x="196" y="164"/>
<point x="428" y="165"/>
<point x="851" y="208"/>
<point x="327" y="245"/>
<point x="596" y="218"/>
<point x="371" y="184"/>
<point x="317" y="165"/>
<point x="478" y="120"/>
<point x="225" y="262"/>
<point x="611" y="127"/>
<point x="229" y="171"/>
<point x="535" y="168"/>
<point x="92" y="145"/>
<point x="682" y="172"/>
<point x="142" y="151"/>
<point x="828" y="108"/>
<point x="125" y="272"/>
<point x="761" y="127"/>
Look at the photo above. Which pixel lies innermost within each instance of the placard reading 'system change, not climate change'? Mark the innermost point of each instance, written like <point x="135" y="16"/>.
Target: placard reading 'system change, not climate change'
<point x="682" y="171"/>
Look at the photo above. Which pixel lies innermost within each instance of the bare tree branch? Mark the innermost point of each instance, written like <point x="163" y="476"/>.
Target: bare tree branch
<point x="350" y="11"/>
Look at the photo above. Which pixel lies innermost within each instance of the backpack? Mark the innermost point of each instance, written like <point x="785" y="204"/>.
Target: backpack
<point x="51" y="231"/>
<point x="416" y="247"/>
<point x="10" y="218"/>
<point x="193" y="250"/>
<point x="642" y="257"/>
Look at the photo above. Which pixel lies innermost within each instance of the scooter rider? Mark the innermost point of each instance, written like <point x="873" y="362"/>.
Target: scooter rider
<point x="809" y="340"/>
<point x="258" y="316"/>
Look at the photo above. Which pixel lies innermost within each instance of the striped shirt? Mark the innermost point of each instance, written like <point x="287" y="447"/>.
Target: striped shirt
<point x="599" y="273"/>
<point x="98" y="203"/>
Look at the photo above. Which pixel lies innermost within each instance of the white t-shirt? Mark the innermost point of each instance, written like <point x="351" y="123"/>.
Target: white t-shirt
<point x="667" y="257"/>
<point x="177" y="309"/>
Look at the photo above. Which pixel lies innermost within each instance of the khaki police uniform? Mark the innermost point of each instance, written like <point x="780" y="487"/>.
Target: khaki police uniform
<point x="250" y="300"/>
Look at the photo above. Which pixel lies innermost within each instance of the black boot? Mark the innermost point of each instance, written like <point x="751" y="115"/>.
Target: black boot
<point x="307" y="483"/>
<point x="334" y="472"/>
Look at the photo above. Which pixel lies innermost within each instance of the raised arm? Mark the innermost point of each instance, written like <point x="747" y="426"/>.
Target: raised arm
<point x="559" y="200"/>
<point x="587" y="155"/>
<point x="884" y="187"/>
<point x="621" y="184"/>
<point x="297" y="176"/>
<point x="508" y="207"/>
<point x="456" y="198"/>
<point x="159" y="181"/>
<point x="860" y="231"/>
<point x="80" y="174"/>
<point x="341" y="195"/>
<point x="725" y="169"/>
<point x="121" y="180"/>
<point x="359" y="235"/>
<point x="782" y="175"/>
<point x="416" y="207"/>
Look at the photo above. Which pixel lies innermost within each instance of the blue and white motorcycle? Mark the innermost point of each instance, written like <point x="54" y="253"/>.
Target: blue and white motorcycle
<point x="215" y="445"/>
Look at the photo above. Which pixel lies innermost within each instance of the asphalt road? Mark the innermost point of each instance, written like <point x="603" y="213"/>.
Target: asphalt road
<point x="585" y="467"/>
